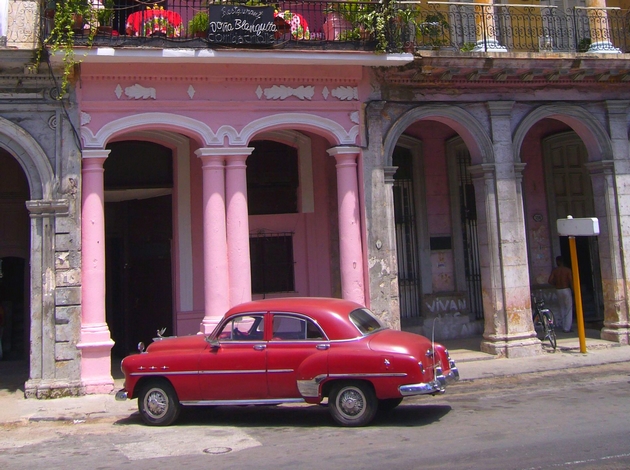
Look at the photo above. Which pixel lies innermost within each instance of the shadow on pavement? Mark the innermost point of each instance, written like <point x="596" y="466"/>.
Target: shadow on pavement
<point x="300" y="416"/>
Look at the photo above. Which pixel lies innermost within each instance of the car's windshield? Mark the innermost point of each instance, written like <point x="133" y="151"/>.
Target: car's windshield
<point x="365" y="321"/>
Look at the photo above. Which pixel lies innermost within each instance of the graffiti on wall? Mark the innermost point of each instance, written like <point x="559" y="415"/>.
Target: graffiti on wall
<point x="441" y="304"/>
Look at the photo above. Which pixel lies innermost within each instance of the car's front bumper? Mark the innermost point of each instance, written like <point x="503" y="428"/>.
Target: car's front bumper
<point x="437" y="385"/>
<point x="122" y="395"/>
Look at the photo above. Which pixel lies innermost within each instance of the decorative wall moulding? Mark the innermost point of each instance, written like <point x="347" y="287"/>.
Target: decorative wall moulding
<point x="282" y="92"/>
<point x="346" y="93"/>
<point x="138" y="92"/>
<point x="85" y="118"/>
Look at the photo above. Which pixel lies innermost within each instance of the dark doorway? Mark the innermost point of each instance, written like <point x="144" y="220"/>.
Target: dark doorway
<point x="139" y="233"/>
<point x="14" y="262"/>
<point x="14" y="323"/>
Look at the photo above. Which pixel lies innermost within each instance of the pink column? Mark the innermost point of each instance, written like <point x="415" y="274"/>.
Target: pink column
<point x="95" y="343"/>
<point x="215" y="269"/>
<point x="350" y="246"/>
<point x="239" y="269"/>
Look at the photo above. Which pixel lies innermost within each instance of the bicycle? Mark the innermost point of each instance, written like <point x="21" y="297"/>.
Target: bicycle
<point x="543" y="321"/>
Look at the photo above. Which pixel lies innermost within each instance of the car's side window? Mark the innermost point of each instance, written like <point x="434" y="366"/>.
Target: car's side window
<point x="243" y="328"/>
<point x="286" y="327"/>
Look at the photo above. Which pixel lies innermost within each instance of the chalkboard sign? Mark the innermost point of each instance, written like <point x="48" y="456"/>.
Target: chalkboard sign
<point x="236" y="24"/>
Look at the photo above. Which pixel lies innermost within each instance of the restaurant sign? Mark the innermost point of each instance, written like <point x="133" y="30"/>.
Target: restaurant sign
<point x="237" y="24"/>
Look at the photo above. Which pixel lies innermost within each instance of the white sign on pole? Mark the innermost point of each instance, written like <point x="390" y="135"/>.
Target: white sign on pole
<point x="580" y="227"/>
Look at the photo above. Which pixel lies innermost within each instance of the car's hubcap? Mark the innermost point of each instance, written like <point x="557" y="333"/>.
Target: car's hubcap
<point x="351" y="402"/>
<point x="156" y="403"/>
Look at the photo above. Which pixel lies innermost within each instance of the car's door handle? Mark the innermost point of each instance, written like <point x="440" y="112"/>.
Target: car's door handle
<point x="259" y="347"/>
<point x="323" y="347"/>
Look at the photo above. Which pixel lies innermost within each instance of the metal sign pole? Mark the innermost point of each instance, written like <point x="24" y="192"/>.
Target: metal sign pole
<point x="578" y="295"/>
<point x="586" y="227"/>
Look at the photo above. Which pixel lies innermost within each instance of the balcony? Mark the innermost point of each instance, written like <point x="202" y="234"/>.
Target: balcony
<point x="352" y="25"/>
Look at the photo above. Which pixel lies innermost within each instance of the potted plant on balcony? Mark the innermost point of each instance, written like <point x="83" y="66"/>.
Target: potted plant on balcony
<point x="433" y="30"/>
<point x="355" y="20"/>
<point x="105" y="16"/>
<point x="69" y="20"/>
<point x="198" y="25"/>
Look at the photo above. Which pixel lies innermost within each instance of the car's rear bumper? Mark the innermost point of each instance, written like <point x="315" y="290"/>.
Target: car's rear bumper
<point x="122" y="395"/>
<point x="435" y="386"/>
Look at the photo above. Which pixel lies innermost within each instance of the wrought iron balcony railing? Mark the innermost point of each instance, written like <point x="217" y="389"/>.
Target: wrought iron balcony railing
<point x="356" y="25"/>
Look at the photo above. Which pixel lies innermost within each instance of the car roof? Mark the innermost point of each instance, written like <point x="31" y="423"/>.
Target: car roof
<point x="331" y="314"/>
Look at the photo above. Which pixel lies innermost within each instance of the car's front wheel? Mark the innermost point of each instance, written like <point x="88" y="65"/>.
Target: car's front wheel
<point x="158" y="403"/>
<point x="352" y="403"/>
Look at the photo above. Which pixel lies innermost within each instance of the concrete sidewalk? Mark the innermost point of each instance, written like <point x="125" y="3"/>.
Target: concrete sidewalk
<point x="472" y="365"/>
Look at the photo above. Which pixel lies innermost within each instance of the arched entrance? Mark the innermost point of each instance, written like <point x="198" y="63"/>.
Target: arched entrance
<point x="139" y="233"/>
<point x="557" y="184"/>
<point x="436" y="239"/>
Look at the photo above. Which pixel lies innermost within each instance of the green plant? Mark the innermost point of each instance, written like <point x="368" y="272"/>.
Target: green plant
<point x="433" y="29"/>
<point x="584" y="45"/>
<point x="198" y="23"/>
<point x="468" y="47"/>
<point x="368" y="20"/>
<point x="69" y="19"/>
<point x="105" y="15"/>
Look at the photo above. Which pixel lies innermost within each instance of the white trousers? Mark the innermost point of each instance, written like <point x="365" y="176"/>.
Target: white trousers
<point x="565" y="304"/>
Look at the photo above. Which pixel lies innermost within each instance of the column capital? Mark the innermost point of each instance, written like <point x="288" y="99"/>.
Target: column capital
<point x="617" y="106"/>
<point x="95" y="153"/>
<point x="41" y="208"/>
<point x="223" y="151"/>
<point x="344" y="150"/>
<point x="606" y="167"/>
<point x="500" y="108"/>
<point x="388" y="174"/>
<point x="484" y="170"/>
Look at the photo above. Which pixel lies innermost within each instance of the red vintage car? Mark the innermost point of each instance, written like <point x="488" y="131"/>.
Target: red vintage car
<point x="288" y="350"/>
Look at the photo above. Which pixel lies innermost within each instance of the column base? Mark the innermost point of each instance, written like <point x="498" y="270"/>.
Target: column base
<point x="616" y="335"/>
<point x="96" y="364"/>
<point x="46" y="389"/>
<point x="489" y="45"/>
<point x="512" y="347"/>
<point x="603" y="47"/>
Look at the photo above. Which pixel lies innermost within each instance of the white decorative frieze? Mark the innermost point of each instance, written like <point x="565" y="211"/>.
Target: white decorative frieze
<point x="281" y="92"/>
<point x="346" y="93"/>
<point x="354" y="117"/>
<point x="325" y="92"/>
<point x="118" y="91"/>
<point x="191" y="91"/>
<point x="138" y="92"/>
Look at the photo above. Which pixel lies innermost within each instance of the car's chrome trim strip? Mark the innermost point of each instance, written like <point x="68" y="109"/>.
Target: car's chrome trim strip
<point x="181" y="372"/>
<point x="375" y="374"/>
<point x="281" y="371"/>
<point x="267" y="401"/>
<point x="201" y="372"/>
<point x="220" y="372"/>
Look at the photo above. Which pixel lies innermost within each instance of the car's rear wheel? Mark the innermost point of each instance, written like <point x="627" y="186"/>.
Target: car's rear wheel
<point x="352" y="403"/>
<point x="388" y="404"/>
<point x="158" y="403"/>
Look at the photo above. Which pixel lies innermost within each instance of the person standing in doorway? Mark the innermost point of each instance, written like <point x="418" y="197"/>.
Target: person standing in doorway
<point x="562" y="279"/>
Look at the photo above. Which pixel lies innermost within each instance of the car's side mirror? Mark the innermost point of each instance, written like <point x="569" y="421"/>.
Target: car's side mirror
<point x="213" y="342"/>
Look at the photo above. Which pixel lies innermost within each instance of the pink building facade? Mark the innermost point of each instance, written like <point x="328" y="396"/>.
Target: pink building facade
<point x="298" y="126"/>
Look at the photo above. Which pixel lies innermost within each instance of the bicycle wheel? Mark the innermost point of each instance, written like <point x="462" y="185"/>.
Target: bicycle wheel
<point x="538" y="327"/>
<point x="550" y="333"/>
